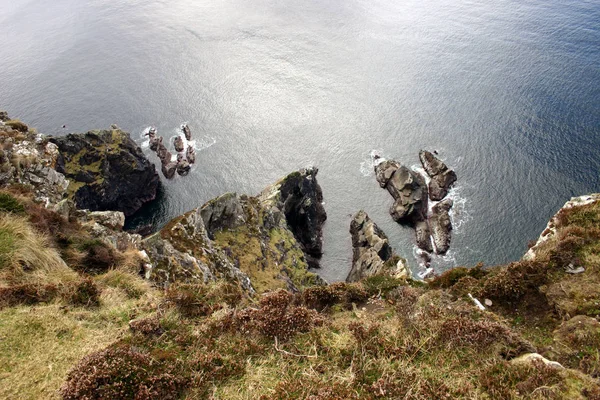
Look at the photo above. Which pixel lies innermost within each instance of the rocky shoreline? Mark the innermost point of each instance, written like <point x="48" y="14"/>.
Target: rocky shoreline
<point x="223" y="300"/>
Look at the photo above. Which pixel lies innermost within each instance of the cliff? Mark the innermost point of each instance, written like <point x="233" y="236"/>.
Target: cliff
<point x="220" y="303"/>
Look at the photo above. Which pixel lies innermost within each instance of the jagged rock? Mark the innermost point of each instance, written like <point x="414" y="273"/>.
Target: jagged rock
<point x="190" y="154"/>
<point x="300" y="198"/>
<point x="423" y="236"/>
<point x="163" y="154"/>
<point x="169" y="169"/>
<point x="111" y="219"/>
<point x="236" y="238"/>
<point x="183" y="167"/>
<point x="4" y="116"/>
<point x="178" y="143"/>
<point x="155" y="142"/>
<point x="441" y="176"/>
<point x="108" y="171"/>
<point x="224" y="212"/>
<point x="372" y="254"/>
<point x="408" y="189"/>
<point x="441" y="226"/>
<point x="186" y="131"/>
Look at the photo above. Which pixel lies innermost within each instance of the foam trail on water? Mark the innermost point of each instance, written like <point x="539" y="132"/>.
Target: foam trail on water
<point x="367" y="167"/>
<point x="145" y="139"/>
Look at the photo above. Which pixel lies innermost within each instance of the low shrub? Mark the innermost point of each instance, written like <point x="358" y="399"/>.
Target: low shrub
<point x="149" y="326"/>
<point x="197" y="300"/>
<point x="84" y="293"/>
<point x="321" y="297"/>
<point x="17" y="125"/>
<point x="98" y="257"/>
<point x="10" y="204"/>
<point x="27" y="294"/>
<point x="122" y="372"/>
<point x="276" y="317"/>
<point x="381" y="284"/>
<point x="509" y="381"/>
<point x="452" y="276"/>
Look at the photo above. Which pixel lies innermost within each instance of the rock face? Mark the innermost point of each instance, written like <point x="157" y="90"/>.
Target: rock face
<point x="300" y="198"/>
<point x="371" y="252"/>
<point x="408" y="190"/>
<point x="441" y="226"/>
<point x="554" y="223"/>
<point x="26" y="158"/>
<point x="244" y="239"/>
<point x="108" y="171"/>
<point x="441" y="176"/>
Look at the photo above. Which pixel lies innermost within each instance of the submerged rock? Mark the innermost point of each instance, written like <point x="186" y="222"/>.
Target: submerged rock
<point x="108" y="171"/>
<point x="407" y="188"/>
<point x="441" y="225"/>
<point x="441" y="176"/>
<point x="371" y="251"/>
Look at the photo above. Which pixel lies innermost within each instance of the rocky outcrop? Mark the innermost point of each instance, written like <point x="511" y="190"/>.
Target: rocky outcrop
<point x="300" y="198"/>
<point x="107" y="170"/>
<point x="549" y="232"/>
<point x="27" y="158"/>
<point x="371" y="251"/>
<point x="411" y="198"/>
<point x="441" y="226"/>
<point x="187" y="132"/>
<point x="245" y="239"/>
<point x="441" y="176"/>
<point x="407" y="188"/>
<point x="178" y="143"/>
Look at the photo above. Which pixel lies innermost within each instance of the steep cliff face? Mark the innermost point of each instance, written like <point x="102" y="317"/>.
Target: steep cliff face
<point x="249" y="240"/>
<point x="107" y="170"/>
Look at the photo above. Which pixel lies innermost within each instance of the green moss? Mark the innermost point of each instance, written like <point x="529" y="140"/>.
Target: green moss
<point x="382" y="284"/>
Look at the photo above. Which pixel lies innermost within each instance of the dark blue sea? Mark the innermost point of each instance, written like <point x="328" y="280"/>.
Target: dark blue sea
<point x="508" y="93"/>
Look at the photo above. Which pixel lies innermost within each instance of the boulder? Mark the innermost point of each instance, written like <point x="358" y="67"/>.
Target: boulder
<point x="300" y="198"/>
<point x="441" y="176"/>
<point x="408" y="189"/>
<point x="168" y="169"/>
<point x="183" y="167"/>
<point x="178" y="143"/>
<point x="190" y="154"/>
<point x="224" y="212"/>
<point x="441" y="225"/>
<point x="111" y="219"/>
<point x="107" y="170"/>
<point x="371" y="252"/>
<point x="155" y="141"/>
<point x="423" y="236"/>
<point x="186" y="131"/>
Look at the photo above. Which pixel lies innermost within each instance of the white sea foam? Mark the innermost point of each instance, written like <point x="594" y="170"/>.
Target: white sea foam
<point x="367" y="167"/>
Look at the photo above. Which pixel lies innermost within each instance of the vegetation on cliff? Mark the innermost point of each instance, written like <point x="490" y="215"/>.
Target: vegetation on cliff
<point x="220" y="305"/>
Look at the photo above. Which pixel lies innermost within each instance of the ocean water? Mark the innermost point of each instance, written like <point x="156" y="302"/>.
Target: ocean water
<point x="508" y="92"/>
